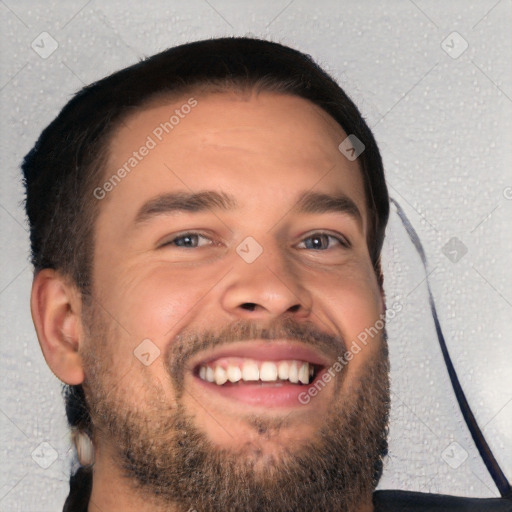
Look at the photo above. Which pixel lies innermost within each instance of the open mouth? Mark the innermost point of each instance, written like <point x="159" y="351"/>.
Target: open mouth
<point x="260" y="374"/>
<point x="229" y="371"/>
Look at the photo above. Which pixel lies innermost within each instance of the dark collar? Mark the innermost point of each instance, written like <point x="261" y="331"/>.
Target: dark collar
<point x="384" y="501"/>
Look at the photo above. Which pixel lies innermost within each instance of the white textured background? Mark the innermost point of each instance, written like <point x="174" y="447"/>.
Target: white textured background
<point x="444" y="126"/>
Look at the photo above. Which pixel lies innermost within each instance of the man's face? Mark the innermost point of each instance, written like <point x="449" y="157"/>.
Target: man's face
<point x="260" y="281"/>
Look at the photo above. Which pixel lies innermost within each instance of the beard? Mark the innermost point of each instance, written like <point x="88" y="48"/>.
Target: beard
<point x="169" y="460"/>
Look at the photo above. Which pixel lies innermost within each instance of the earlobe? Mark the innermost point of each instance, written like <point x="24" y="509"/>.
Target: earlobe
<point x="56" y="311"/>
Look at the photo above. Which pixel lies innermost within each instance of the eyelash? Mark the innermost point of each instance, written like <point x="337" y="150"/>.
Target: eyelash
<point x="186" y="235"/>
<point x="343" y="242"/>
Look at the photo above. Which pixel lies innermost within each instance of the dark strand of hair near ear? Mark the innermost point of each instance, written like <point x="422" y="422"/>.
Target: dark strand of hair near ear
<point x="80" y="483"/>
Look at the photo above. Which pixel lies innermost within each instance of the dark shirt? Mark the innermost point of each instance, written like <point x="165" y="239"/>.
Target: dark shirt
<point x="383" y="501"/>
<point x="405" y="501"/>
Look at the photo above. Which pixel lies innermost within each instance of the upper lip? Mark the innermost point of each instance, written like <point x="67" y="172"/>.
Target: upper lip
<point x="263" y="350"/>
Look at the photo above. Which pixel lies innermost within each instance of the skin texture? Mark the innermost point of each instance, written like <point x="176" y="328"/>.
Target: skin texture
<point x="264" y="150"/>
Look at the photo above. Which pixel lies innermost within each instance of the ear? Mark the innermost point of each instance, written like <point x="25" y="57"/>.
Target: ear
<point x="56" y="311"/>
<point x="380" y="282"/>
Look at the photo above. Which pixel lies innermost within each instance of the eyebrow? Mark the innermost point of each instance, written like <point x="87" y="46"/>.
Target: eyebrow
<point x="309" y="202"/>
<point x="185" y="202"/>
<point x="314" y="202"/>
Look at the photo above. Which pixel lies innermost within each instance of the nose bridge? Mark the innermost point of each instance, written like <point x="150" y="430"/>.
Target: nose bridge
<point x="264" y="282"/>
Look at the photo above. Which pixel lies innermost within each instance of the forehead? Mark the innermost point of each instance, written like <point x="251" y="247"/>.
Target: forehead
<point x="253" y="144"/>
<point x="248" y="120"/>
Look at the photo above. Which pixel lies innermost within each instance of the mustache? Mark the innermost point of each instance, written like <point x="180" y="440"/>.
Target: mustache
<point x="187" y="343"/>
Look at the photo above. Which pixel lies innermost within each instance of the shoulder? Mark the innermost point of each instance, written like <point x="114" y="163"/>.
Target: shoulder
<point x="408" y="501"/>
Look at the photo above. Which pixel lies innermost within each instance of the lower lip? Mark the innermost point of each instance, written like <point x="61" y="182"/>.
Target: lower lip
<point x="264" y="394"/>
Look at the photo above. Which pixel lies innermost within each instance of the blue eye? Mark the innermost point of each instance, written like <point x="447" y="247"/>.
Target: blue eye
<point x="322" y="242"/>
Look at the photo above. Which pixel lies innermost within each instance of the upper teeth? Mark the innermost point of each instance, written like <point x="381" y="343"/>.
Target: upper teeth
<point x="250" y="370"/>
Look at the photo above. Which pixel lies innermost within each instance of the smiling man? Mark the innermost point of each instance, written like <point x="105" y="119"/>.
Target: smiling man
<point x="206" y="228"/>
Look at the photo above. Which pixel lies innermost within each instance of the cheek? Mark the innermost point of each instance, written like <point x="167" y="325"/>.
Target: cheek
<point x="160" y="300"/>
<point x="356" y="309"/>
<point x="152" y="306"/>
<point x="354" y="301"/>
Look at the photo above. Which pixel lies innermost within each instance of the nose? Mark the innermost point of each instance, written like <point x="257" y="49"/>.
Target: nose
<point x="265" y="289"/>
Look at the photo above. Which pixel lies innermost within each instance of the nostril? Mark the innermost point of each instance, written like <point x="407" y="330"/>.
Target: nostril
<point x="294" y="309"/>
<point x="249" y="306"/>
